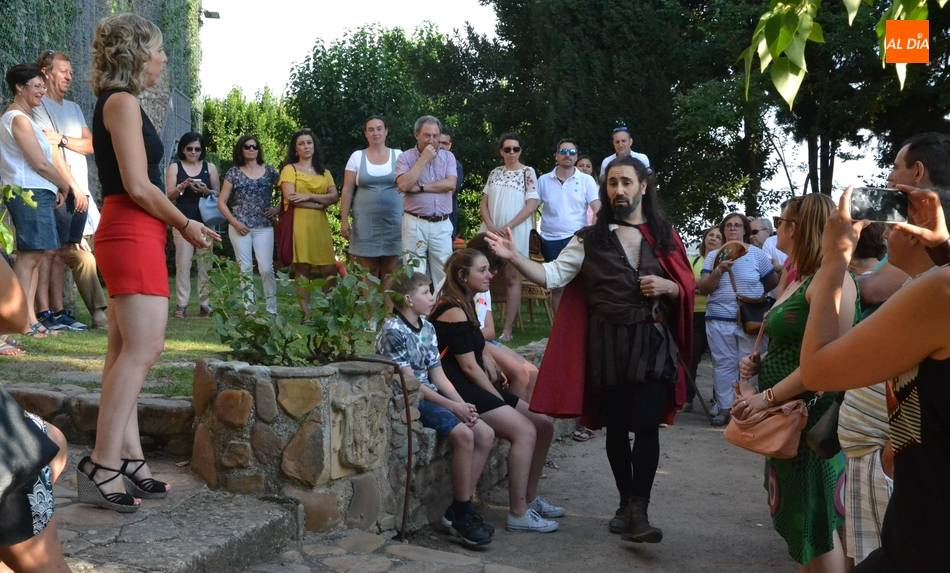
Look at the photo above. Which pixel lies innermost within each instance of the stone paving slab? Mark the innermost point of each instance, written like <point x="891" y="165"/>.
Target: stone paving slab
<point x="356" y="551"/>
<point x="193" y="530"/>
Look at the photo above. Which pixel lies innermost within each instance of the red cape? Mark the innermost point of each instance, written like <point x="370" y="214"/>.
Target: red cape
<point x="559" y="391"/>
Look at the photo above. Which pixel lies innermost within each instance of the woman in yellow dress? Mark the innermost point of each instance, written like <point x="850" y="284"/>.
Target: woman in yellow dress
<point x="309" y="187"/>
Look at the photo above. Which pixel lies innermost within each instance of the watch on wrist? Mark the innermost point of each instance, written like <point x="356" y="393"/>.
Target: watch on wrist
<point x="940" y="254"/>
<point x="64" y="141"/>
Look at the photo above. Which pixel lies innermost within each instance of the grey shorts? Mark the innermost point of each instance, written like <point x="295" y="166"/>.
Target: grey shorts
<point x="35" y="227"/>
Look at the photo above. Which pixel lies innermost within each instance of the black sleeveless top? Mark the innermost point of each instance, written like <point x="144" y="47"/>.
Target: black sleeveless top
<point x="187" y="202"/>
<point x="109" y="177"/>
<point x="915" y="525"/>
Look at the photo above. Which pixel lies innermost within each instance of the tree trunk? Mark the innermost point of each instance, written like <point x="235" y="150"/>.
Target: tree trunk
<point x="827" y="157"/>
<point x="813" y="161"/>
<point x="751" y="143"/>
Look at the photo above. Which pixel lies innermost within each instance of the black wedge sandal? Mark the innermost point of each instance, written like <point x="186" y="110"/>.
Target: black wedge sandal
<point x="145" y="488"/>
<point x="90" y="491"/>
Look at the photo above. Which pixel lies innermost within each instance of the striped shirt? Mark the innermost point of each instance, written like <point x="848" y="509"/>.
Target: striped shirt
<point x="750" y="270"/>
<point x="862" y="420"/>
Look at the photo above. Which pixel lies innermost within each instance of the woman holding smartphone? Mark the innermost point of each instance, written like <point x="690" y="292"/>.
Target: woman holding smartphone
<point x="187" y="180"/>
<point x="128" y="57"/>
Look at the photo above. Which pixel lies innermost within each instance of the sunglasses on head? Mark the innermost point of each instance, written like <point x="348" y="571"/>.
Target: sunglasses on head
<point x="570" y="152"/>
<point x="511" y="149"/>
<point x="250" y="146"/>
<point x="620" y="128"/>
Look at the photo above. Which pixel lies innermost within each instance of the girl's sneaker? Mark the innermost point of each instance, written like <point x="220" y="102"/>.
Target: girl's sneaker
<point x="530" y="521"/>
<point x="546" y="509"/>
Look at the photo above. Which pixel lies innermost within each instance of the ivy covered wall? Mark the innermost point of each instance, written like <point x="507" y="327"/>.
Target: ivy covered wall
<point x="27" y="27"/>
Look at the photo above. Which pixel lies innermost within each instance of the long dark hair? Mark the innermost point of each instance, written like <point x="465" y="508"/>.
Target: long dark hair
<point x="237" y="155"/>
<point x="316" y="161"/>
<point x="188" y="138"/>
<point x="660" y="227"/>
<point x="453" y="289"/>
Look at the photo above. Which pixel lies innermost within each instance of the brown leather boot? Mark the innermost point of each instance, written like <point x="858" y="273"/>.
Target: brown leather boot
<point x="639" y="529"/>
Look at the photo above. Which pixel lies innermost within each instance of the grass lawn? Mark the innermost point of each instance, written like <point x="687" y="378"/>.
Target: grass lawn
<point x="77" y="357"/>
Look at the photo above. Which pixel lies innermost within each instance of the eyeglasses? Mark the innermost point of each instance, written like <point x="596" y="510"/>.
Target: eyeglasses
<point x="511" y="149"/>
<point x="777" y="221"/>
<point x="733" y="226"/>
<point x="193" y="149"/>
<point x="571" y="152"/>
<point x="756" y="231"/>
<point x="250" y="147"/>
<point x="39" y="87"/>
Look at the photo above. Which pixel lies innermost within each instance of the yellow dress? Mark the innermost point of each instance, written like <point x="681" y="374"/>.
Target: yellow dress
<point x="312" y="242"/>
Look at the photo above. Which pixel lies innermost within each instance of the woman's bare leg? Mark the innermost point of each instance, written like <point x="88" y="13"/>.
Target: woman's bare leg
<point x="509" y="424"/>
<point x="139" y="323"/>
<point x="830" y="562"/>
<point x="544" y="430"/>
<point x="513" y="283"/>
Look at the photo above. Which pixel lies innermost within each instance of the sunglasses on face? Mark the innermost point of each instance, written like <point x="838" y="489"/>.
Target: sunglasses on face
<point x="777" y="221"/>
<point x="193" y="149"/>
<point x="571" y="152"/>
<point x="250" y="146"/>
<point x="511" y="149"/>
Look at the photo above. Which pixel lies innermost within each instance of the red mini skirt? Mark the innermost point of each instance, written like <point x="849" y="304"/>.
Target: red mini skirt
<point x="130" y="249"/>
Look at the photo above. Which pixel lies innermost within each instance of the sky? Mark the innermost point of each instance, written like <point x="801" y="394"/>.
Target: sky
<point x="278" y="34"/>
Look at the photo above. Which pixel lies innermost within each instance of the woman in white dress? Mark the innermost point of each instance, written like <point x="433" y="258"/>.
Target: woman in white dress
<point x="510" y="200"/>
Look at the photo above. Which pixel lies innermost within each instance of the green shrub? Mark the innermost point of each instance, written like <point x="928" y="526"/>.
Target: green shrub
<point x="341" y="314"/>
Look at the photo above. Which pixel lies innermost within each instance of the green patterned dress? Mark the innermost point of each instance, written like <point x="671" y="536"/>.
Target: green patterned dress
<point x="806" y="492"/>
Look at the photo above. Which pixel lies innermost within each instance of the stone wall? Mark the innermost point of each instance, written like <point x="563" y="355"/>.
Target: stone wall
<point x="165" y="423"/>
<point x="333" y="437"/>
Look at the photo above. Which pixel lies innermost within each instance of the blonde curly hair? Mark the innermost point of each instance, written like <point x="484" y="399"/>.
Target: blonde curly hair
<point x="121" y="51"/>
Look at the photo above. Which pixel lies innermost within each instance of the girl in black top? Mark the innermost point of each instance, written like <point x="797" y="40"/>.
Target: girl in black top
<point x="473" y="374"/>
<point x="908" y="333"/>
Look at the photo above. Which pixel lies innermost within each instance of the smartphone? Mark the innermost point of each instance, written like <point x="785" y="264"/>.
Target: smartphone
<point x="879" y="204"/>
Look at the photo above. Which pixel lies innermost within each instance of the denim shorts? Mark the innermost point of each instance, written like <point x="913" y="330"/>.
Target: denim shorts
<point x="438" y="418"/>
<point x="551" y="249"/>
<point x="35" y="228"/>
<point x="70" y="223"/>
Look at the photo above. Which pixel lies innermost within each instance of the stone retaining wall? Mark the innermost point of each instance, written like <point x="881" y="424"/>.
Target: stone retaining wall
<point x="165" y="423"/>
<point x="334" y="437"/>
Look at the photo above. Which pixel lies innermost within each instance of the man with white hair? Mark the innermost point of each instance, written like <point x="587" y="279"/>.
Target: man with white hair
<point x="427" y="174"/>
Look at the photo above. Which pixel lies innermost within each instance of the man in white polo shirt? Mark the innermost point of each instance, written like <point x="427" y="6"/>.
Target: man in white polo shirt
<point x="565" y="194"/>
<point x="623" y="146"/>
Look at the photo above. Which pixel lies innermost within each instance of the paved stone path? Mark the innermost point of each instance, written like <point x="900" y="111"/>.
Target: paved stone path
<point x="708" y="499"/>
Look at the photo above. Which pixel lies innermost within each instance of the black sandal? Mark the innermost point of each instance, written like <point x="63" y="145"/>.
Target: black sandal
<point x="146" y="488"/>
<point x="90" y="491"/>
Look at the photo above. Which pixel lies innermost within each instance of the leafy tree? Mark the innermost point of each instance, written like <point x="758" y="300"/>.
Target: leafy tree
<point x="784" y="30"/>
<point x="228" y="119"/>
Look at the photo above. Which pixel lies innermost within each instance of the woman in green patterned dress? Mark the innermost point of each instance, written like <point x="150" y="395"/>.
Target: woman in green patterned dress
<point x="804" y="492"/>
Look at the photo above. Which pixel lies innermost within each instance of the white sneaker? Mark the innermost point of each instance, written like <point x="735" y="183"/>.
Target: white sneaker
<point x="546" y="509"/>
<point x="530" y="521"/>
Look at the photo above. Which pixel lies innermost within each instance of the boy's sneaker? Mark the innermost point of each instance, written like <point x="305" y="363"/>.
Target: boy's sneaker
<point x="47" y="320"/>
<point x="546" y="509"/>
<point x="467" y="529"/>
<point x="65" y="318"/>
<point x="477" y="517"/>
<point x="530" y="521"/>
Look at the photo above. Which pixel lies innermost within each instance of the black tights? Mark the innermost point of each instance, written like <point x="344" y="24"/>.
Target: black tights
<point x="633" y="469"/>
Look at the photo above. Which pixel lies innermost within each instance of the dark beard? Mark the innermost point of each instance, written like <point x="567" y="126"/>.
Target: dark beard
<point x="622" y="212"/>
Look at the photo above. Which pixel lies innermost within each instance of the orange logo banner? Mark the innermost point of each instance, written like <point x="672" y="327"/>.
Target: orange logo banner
<point x="907" y="42"/>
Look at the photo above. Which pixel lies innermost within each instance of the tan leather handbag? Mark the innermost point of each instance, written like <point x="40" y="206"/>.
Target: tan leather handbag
<point x="775" y="432"/>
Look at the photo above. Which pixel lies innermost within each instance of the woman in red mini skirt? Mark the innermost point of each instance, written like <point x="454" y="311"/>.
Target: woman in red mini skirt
<point x="128" y="57"/>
